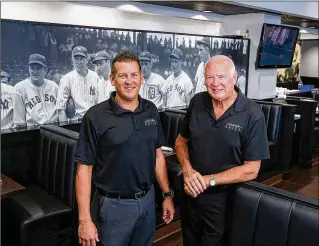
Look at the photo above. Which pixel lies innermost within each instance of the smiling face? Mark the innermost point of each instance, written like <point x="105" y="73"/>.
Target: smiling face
<point x="127" y="79"/>
<point x="37" y="73"/>
<point x="220" y="77"/>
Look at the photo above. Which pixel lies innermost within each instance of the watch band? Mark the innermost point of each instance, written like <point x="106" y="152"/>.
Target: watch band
<point x="212" y="181"/>
<point x="170" y="193"/>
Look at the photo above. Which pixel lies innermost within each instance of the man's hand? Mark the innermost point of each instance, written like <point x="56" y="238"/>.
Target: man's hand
<point x="87" y="233"/>
<point x="168" y="210"/>
<point x="194" y="183"/>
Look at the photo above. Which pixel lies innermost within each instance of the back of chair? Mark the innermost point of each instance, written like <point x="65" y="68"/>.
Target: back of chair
<point x="54" y="169"/>
<point x="273" y="116"/>
<point x="263" y="215"/>
<point x="172" y="124"/>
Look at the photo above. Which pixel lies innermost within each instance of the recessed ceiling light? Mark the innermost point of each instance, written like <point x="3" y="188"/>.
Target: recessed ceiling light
<point x="207" y="11"/>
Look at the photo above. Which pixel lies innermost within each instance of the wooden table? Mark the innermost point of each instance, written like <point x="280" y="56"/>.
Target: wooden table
<point x="9" y="187"/>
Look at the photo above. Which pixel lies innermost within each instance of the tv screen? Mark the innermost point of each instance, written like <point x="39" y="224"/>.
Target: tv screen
<point x="277" y="46"/>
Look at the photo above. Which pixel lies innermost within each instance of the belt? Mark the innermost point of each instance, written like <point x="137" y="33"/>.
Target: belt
<point x="137" y="195"/>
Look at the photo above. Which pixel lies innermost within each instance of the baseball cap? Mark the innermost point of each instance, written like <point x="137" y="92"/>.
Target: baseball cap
<point x="79" y="51"/>
<point x="204" y="40"/>
<point x="101" y="55"/>
<point x="4" y="74"/>
<point x="145" y="56"/>
<point x="38" y="59"/>
<point x="176" y="53"/>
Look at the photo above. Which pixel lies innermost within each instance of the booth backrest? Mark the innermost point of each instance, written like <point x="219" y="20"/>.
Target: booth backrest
<point x="273" y="116"/>
<point x="172" y="123"/>
<point x="54" y="169"/>
<point x="264" y="216"/>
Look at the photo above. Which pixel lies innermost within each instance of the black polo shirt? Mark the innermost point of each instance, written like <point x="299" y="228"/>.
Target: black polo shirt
<point x="121" y="145"/>
<point x="239" y="135"/>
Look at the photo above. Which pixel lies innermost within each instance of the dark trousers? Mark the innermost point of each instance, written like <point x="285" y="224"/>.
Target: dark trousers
<point x="203" y="218"/>
<point x="123" y="222"/>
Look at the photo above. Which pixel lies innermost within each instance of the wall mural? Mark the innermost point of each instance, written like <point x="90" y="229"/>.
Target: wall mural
<point x="44" y="66"/>
<point x="291" y="74"/>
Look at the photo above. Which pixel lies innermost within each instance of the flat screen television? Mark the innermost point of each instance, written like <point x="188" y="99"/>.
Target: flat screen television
<point x="276" y="47"/>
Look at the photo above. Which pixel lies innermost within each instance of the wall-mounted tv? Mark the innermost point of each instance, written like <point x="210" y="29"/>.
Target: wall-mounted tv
<point x="276" y="46"/>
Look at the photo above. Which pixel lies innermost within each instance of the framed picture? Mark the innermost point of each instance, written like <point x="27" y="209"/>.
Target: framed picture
<point x="55" y="54"/>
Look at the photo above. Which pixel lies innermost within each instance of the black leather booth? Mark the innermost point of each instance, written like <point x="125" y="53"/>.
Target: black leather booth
<point x="304" y="130"/>
<point x="280" y="126"/>
<point x="260" y="215"/>
<point x="42" y="214"/>
<point x="280" y="123"/>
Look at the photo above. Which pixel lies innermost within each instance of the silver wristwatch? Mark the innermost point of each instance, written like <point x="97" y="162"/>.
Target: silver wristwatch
<point x="212" y="181"/>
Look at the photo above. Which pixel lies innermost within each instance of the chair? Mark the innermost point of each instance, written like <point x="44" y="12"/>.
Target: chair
<point x="42" y="214"/>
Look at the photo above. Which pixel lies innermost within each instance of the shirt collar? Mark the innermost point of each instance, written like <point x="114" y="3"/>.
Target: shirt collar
<point x="118" y="110"/>
<point x="239" y="105"/>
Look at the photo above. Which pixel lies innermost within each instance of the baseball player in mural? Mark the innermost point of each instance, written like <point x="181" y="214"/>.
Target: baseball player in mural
<point x="178" y="86"/>
<point x="105" y="87"/>
<point x="8" y="94"/>
<point x="241" y="81"/>
<point x="78" y="88"/>
<point x="151" y="88"/>
<point x="204" y="55"/>
<point x="35" y="101"/>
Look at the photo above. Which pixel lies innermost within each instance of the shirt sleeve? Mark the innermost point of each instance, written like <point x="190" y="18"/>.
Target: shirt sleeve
<point x="160" y="133"/>
<point x="19" y="110"/>
<point x="185" y="132"/>
<point x="256" y="141"/>
<point x="86" y="148"/>
<point x="188" y="86"/>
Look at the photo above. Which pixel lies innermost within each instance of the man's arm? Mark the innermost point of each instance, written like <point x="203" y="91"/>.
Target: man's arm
<point x="162" y="179"/>
<point x="247" y="172"/>
<point x="182" y="152"/>
<point x="19" y="111"/>
<point x="161" y="171"/>
<point x="83" y="191"/>
<point x="194" y="182"/>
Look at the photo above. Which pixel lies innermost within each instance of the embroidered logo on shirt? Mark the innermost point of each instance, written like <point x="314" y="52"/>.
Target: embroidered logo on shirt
<point x="92" y="90"/>
<point x="150" y="122"/>
<point x="233" y="127"/>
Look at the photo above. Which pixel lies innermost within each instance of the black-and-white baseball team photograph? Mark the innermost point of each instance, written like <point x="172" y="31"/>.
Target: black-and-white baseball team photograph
<point x="61" y="71"/>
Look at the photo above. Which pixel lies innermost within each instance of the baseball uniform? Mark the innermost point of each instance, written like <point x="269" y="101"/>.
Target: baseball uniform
<point x="83" y="90"/>
<point x="151" y="89"/>
<point x="35" y="105"/>
<point x="241" y="83"/>
<point x="8" y="94"/>
<point x="105" y="88"/>
<point x="177" y="90"/>
<point x="200" y="78"/>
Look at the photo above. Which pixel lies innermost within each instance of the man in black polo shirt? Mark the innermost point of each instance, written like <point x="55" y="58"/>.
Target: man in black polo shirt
<point x="119" y="148"/>
<point x="223" y="141"/>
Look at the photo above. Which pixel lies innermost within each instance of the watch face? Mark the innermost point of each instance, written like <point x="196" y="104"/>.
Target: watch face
<point x="212" y="182"/>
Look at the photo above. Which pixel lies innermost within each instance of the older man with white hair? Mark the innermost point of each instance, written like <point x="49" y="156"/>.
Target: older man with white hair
<point x="223" y="148"/>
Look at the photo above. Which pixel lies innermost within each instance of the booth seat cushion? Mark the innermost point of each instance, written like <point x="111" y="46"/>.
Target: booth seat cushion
<point x="263" y="215"/>
<point x="36" y="213"/>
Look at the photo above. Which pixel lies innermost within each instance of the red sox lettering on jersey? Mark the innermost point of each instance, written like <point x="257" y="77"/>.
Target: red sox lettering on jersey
<point x="178" y="90"/>
<point x="35" y="104"/>
<point x="83" y="90"/>
<point x="152" y="89"/>
<point x="8" y="94"/>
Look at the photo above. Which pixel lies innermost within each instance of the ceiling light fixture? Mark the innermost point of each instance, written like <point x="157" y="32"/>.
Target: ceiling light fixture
<point x="207" y="11"/>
